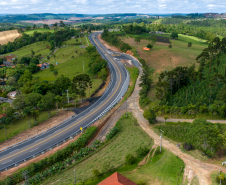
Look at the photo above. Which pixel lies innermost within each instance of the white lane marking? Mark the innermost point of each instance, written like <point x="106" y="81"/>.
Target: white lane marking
<point x="7" y="162"/>
<point x="34" y="150"/>
<point x="13" y="151"/>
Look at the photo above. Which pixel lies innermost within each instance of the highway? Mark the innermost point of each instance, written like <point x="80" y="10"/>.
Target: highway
<point x="33" y="147"/>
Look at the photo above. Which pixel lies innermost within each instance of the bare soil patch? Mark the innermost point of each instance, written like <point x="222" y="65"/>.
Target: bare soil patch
<point x="9" y="36"/>
<point x="38" y="129"/>
<point x="107" y="45"/>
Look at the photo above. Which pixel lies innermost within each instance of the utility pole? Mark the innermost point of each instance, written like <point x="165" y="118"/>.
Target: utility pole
<point x="83" y="65"/>
<point x="161" y="141"/>
<point x="75" y="177"/>
<point x="67" y="97"/>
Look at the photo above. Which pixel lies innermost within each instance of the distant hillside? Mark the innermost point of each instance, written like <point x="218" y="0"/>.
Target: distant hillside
<point x="6" y="36"/>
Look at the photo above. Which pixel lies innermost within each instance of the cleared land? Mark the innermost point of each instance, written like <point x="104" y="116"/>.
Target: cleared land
<point x="40" y="30"/>
<point x="8" y="36"/>
<point x="162" y="58"/>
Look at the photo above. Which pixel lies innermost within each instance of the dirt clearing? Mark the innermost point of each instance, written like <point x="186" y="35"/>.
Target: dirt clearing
<point x="8" y="36"/>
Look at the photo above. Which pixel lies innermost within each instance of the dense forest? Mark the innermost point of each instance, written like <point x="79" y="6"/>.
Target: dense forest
<point x="187" y="91"/>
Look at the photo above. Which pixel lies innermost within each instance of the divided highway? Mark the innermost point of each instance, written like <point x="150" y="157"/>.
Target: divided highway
<point x="35" y="146"/>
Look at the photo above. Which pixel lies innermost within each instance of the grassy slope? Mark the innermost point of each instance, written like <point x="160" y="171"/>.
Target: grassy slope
<point x="40" y="30"/>
<point x="131" y="136"/>
<point x="38" y="48"/>
<point x="21" y="125"/>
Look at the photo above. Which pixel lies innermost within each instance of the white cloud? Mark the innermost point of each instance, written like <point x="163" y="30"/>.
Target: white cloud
<point x="111" y="6"/>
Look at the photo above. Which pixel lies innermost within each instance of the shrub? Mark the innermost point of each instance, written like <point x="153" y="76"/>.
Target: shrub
<point x="142" y="151"/>
<point x="96" y="173"/>
<point x="142" y="182"/>
<point x="149" y="46"/>
<point x="187" y="146"/>
<point x="113" y="131"/>
<point x="149" y="114"/>
<point x="130" y="159"/>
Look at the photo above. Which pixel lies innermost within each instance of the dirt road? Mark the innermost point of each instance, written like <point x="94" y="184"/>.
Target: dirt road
<point x="193" y="166"/>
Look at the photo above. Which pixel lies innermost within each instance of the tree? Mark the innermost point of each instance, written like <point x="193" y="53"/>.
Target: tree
<point x="48" y="57"/>
<point x="51" y="67"/>
<point x="170" y="46"/>
<point x="189" y="45"/>
<point x="137" y="39"/>
<point x="55" y="73"/>
<point x="35" y="114"/>
<point x="32" y="53"/>
<point x="61" y="84"/>
<point x="47" y="102"/>
<point x="103" y="74"/>
<point x="149" y="46"/>
<point x="28" y="28"/>
<point x="32" y="99"/>
<point x="174" y="35"/>
<point x="58" y="99"/>
<point x="25" y="77"/>
<point x="27" y="111"/>
<point x="54" y="56"/>
<point x="19" y="103"/>
<point x="80" y="83"/>
<point x="5" y="122"/>
<point x="1" y="61"/>
<point x="145" y="77"/>
<point x="165" y="118"/>
<point x="34" y="26"/>
<point x="153" y="40"/>
<point x="149" y="114"/>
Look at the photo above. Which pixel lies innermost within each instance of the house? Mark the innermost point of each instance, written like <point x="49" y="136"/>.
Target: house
<point x="44" y="65"/>
<point x="12" y="94"/>
<point x="117" y="179"/>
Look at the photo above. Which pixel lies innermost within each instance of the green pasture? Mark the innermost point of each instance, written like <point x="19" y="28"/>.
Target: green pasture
<point x="38" y="47"/>
<point x="40" y="30"/>
<point x="21" y="125"/>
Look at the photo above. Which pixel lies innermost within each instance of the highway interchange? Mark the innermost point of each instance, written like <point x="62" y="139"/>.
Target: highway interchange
<point x="13" y="156"/>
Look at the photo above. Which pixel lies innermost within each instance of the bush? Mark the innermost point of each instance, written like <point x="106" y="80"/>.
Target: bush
<point x="96" y="173"/>
<point x="113" y="131"/>
<point x="142" y="151"/>
<point x="149" y="46"/>
<point x="142" y="182"/>
<point x="187" y="146"/>
<point x="149" y="114"/>
<point x="130" y="159"/>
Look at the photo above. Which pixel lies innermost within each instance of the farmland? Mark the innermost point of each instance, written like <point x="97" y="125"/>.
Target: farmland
<point x="161" y="58"/>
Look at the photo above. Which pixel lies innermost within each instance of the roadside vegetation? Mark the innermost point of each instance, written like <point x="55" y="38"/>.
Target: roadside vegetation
<point x="130" y="141"/>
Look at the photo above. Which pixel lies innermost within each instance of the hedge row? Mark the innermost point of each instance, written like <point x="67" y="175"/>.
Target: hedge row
<point x="59" y="156"/>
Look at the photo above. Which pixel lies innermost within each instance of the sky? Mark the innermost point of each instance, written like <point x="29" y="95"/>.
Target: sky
<point x="111" y="6"/>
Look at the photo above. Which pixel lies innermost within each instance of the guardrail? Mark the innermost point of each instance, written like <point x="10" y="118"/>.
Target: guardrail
<point x="49" y="148"/>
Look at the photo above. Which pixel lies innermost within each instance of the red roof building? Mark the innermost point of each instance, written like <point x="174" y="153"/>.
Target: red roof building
<point x="117" y="179"/>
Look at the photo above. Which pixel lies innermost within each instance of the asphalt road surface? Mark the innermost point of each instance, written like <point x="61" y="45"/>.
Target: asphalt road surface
<point x="18" y="153"/>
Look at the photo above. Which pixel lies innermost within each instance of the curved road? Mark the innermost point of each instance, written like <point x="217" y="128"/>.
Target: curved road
<point x="17" y="154"/>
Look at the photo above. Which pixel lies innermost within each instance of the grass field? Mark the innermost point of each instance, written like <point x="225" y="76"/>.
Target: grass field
<point x="40" y="30"/>
<point x="21" y="125"/>
<point x="162" y="58"/>
<point x="38" y="47"/>
<point x="163" y="169"/>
